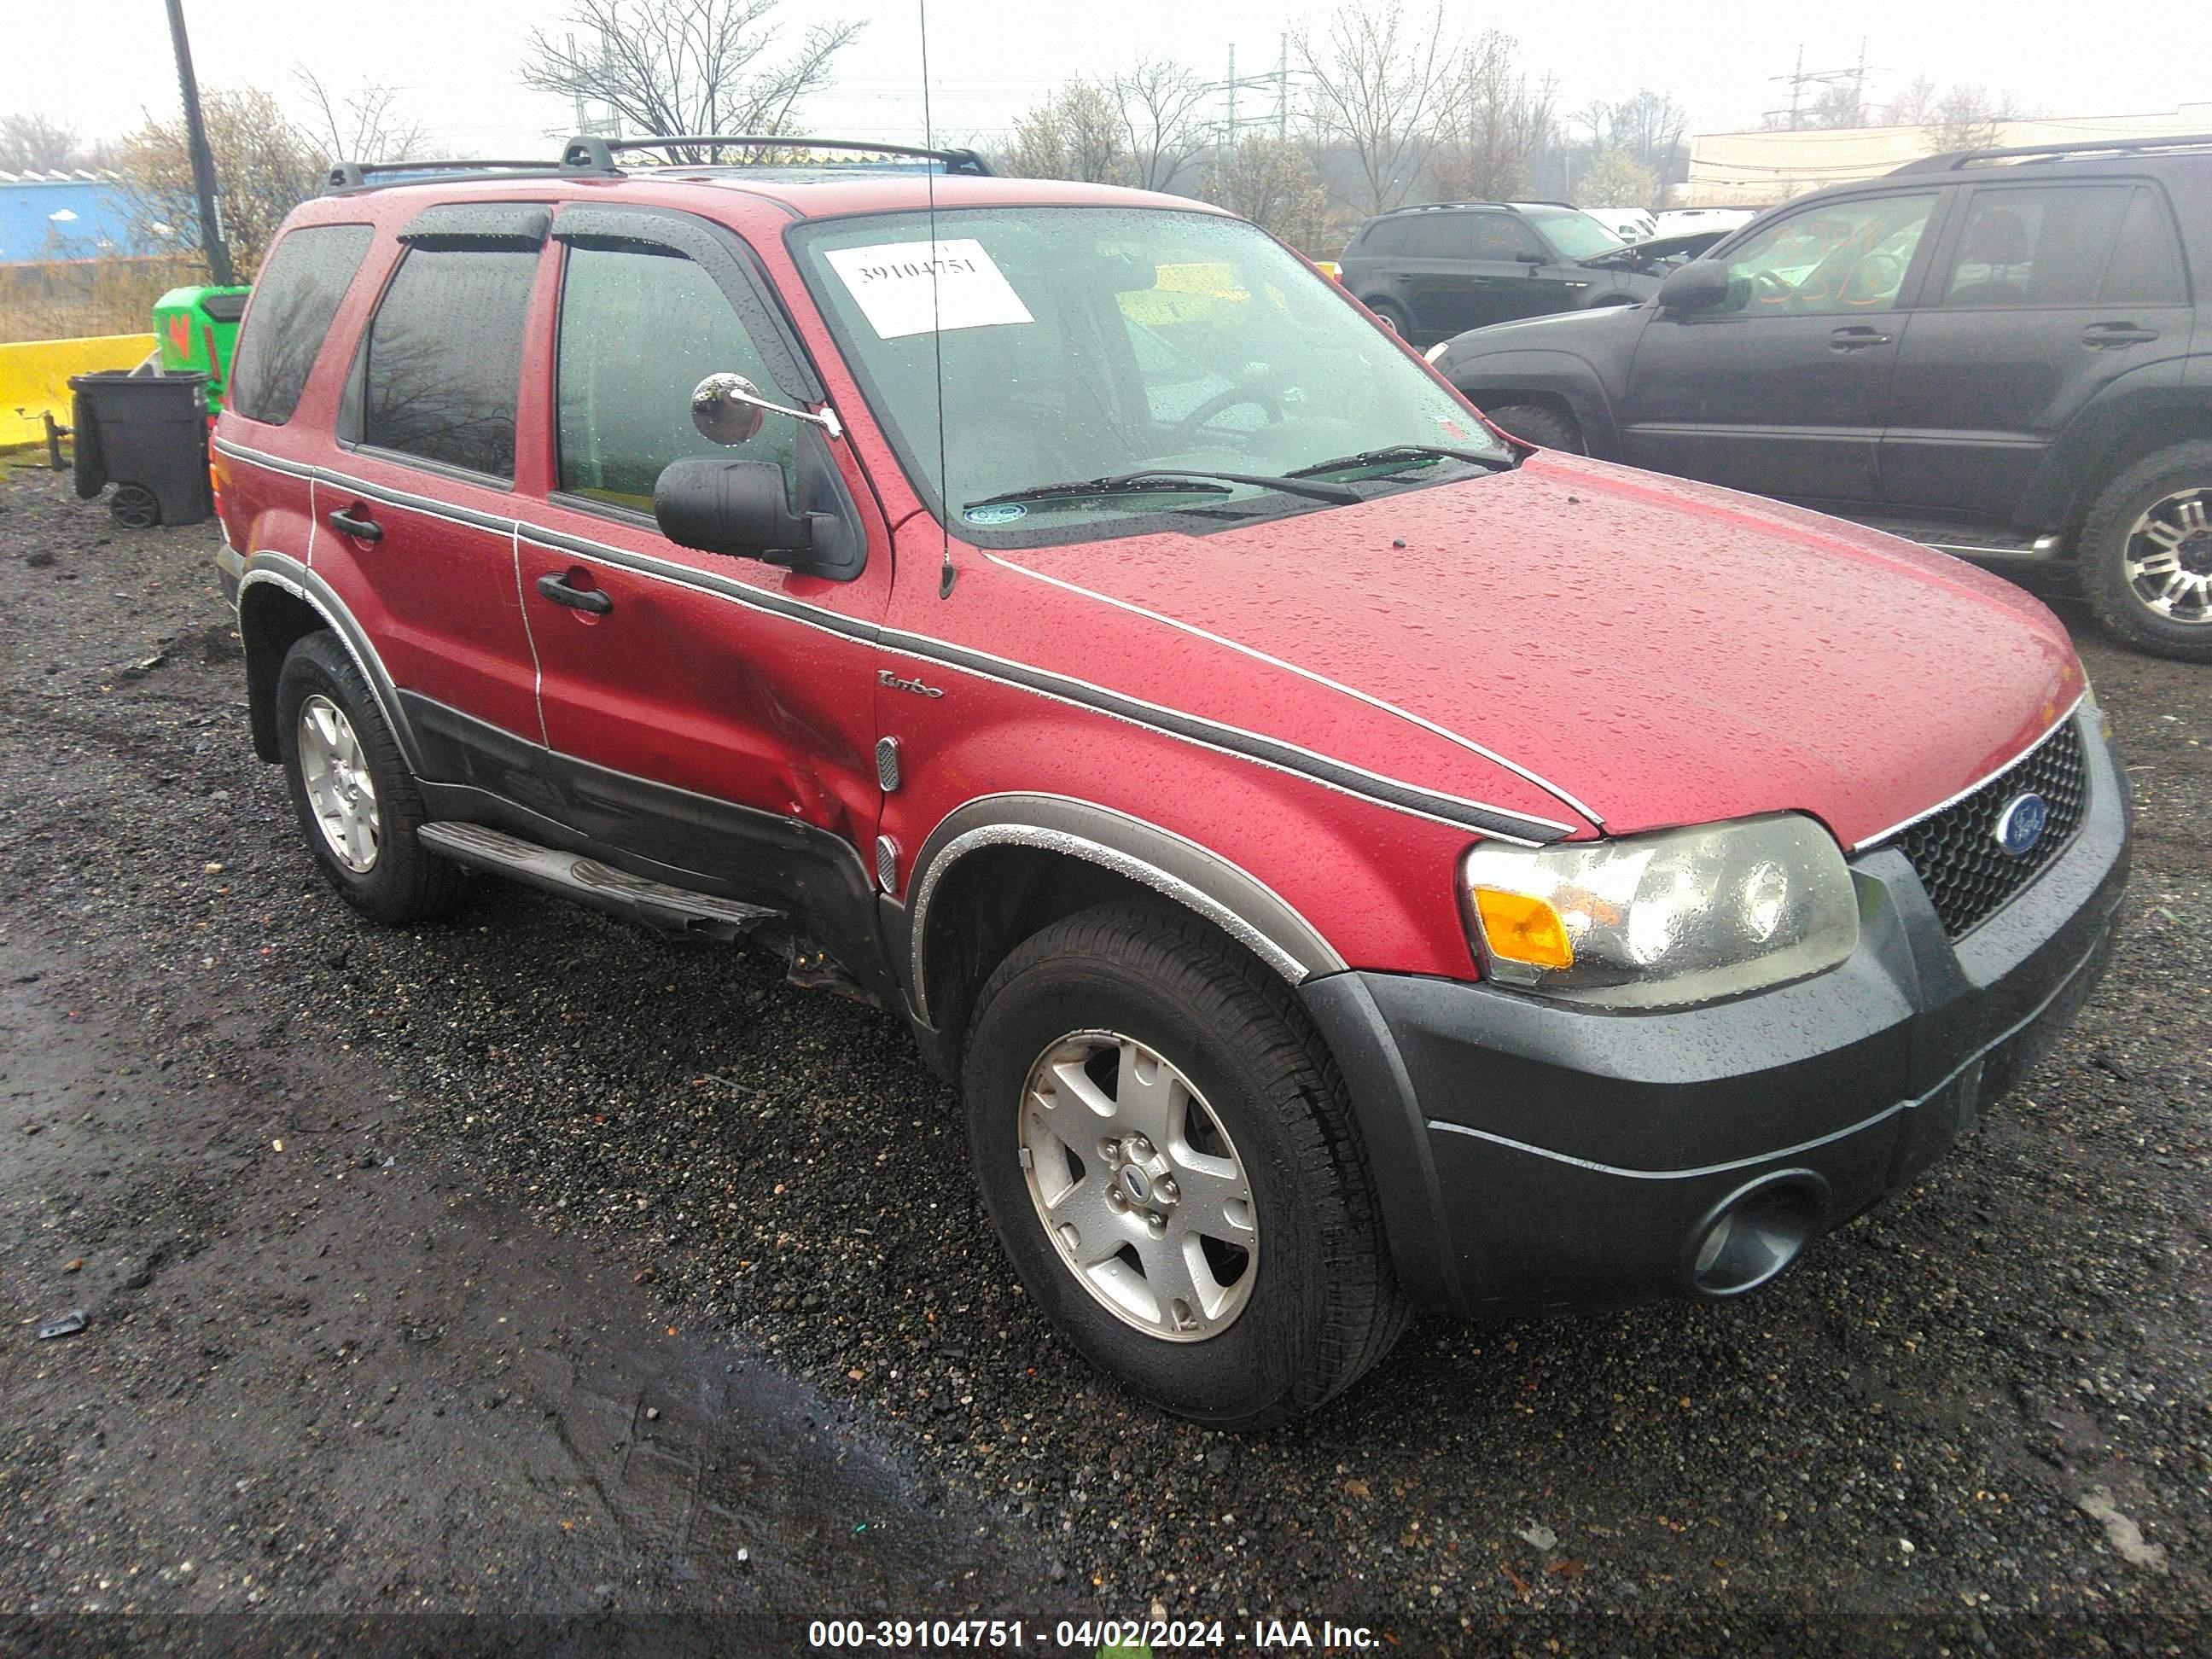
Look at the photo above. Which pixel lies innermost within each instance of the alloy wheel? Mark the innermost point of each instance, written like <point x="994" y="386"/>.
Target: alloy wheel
<point x="2167" y="559"/>
<point x="338" y="784"/>
<point x="1139" y="1187"/>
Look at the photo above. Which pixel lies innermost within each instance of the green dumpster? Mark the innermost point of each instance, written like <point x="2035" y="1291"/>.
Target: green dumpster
<point x="196" y="332"/>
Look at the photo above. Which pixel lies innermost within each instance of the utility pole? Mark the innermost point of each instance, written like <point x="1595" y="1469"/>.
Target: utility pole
<point x="204" y="181"/>
<point x="1232" y="94"/>
<point x="1283" y="92"/>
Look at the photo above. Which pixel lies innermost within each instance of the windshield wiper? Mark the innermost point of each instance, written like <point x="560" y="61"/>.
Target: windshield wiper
<point x="1161" y="481"/>
<point x="1407" y="453"/>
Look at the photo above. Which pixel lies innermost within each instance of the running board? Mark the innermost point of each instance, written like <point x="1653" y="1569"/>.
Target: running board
<point x="655" y="904"/>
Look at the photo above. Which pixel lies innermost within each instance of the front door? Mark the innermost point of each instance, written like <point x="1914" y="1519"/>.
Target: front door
<point x="1782" y="389"/>
<point x="712" y="715"/>
<point x="2044" y="294"/>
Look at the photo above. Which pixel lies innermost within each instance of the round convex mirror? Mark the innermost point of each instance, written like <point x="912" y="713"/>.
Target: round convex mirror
<point x="727" y="408"/>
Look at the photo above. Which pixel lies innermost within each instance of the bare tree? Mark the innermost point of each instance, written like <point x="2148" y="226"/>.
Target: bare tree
<point x="1162" y="134"/>
<point x="1491" y="122"/>
<point x="1915" y="106"/>
<point x="366" y="125"/>
<point x="1273" y="183"/>
<point x="32" y="144"/>
<point x="685" y="66"/>
<point x="1648" y="127"/>
<point x="1969" y="118"/>
<point x="1841" y="104"/>
<point x="1076" y="133"/>
<point x="264" y="166"/>
<point x="1376" y="79"/>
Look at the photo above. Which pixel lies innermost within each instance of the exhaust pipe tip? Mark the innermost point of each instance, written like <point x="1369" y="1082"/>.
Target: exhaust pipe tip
<point x="1755" y="1232"/>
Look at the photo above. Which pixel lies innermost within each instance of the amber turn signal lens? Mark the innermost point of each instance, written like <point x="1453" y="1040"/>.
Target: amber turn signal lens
<point x="1523" y="929"/>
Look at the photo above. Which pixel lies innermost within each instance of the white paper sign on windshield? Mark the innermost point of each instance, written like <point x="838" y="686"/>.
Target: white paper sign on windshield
<point x="892" y="282"/>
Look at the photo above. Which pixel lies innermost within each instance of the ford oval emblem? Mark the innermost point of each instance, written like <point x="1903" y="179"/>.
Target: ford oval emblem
<point x="2020" y="826"/>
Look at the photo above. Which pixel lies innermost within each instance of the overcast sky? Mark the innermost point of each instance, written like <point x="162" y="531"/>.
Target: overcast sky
<point x="96" y="64"/>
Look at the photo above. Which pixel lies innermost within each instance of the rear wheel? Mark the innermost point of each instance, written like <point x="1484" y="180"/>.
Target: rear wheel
<point x="1536" y="423"/>
<point x="356" y="799"/>
<point x="1164" y="1150"/>
<point x="2146" y="558"/>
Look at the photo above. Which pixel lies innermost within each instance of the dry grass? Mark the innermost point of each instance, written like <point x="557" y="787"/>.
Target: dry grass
<point x="74" y="298"/>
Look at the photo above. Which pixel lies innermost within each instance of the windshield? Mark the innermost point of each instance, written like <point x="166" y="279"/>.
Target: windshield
<point x="1087" y="343"/>
<point x="1575" y="235"/>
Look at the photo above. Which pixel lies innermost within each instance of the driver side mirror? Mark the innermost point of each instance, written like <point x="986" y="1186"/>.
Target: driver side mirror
<point x="1701" y="285"/>
<point x="732" y="507"/>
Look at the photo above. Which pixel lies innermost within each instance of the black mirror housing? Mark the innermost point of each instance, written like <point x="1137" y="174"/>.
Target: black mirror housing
<point x="735" y="507"/>
<point x="1701" y="285"/>
<point x="738" y="509"/>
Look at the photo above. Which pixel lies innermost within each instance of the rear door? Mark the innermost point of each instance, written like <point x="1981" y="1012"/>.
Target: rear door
<point x="1782" y="389"/>
<point x="415" y="518"/>
<point x="710" y="714"/>
<point x="2044" y="294"/>
<point x="1436" y="272"/>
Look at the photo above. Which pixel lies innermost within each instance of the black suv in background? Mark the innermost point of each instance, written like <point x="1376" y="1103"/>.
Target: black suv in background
<point x="2000" y="353"/>
<point x="1432" y="271"/>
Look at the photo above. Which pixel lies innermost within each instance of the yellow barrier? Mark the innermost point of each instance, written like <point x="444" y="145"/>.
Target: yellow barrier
<point x="34" y="376"/>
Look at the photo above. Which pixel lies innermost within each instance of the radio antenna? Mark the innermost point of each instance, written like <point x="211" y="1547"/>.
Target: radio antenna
<point x="944" y="572"/>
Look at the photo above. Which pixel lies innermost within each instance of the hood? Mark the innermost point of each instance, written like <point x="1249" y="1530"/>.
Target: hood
<point x="1656" y="252"/>
<point x="1660" y="651"/>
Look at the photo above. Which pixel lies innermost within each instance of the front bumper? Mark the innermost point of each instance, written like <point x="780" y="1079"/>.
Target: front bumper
<point x="1536" y="1155"/>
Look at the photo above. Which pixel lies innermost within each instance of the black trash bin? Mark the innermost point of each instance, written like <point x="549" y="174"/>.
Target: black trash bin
<point x="146" y="435"/>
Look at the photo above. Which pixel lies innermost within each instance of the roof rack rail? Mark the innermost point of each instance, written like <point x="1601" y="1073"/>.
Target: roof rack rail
<point x="1958" y="160"/>
<point x="588" y="153"/>
<point x="358" y="175"/>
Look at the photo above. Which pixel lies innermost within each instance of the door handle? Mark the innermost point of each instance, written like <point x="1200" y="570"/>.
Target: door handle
<point x="2101" y="337"/>
<point x="589" y="599"/>
<point x="361" y="529"/>
<point x="1856" y="339"/>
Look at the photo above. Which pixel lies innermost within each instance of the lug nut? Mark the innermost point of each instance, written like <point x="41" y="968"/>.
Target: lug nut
<point x="1168" y="1190"/>
<point x="1114" y="1201"/>
<point x="1140" y="1148"/>
<point x="1157" y="1222"/>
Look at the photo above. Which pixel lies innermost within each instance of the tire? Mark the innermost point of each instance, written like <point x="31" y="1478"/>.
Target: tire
<point x="88" y="464"/>
<point x="386" y="875"/>
<point x="135" y="507"/>
<point x="1535" y="423"/>
<point x="1314" y="1301"/>
<point x="1392" y="316"/>
<point x="2161" y="509"/>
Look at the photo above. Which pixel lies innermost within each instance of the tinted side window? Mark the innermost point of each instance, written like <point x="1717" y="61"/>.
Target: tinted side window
<point x="639" y="330"/>
<point x="1384" y="237"/>
<point x="1439" y="236"/>
<point x="1835" y="259"/>
<point x="302" y="283"/>
<point x="2035" y="248"/>
<point x="1500" y="238"/>
<point x="2146" y="267"/>
<point x="445" y="357"/>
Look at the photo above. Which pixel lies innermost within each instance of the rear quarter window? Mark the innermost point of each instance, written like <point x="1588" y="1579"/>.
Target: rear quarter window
<point x="1383" y="238"/>
<point x="296" y="295"/>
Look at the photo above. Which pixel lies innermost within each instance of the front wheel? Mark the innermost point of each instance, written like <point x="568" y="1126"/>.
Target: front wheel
<point x="1165" y="1151"/>
<point x="1533" y="423"/>
<point x="1393" y="317"/>
<point x="2146" y="556"/>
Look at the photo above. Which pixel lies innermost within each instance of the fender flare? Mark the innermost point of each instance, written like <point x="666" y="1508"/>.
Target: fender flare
<point x="287" y="574"/>
<point x="1177" y="868"/>
<point x="2074" y="469"/>
<point x="1561" y="373"/>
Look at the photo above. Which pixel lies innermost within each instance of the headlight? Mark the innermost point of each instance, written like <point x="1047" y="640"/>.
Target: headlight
<point x="1436" y="351"/>
<point x="1658" y="920"/>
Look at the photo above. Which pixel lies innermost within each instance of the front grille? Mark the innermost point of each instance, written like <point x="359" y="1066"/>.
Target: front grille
<point x="1968" y="875"/>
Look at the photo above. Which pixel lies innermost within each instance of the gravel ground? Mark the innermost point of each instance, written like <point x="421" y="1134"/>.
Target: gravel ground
<point x="1977" y="1418"/>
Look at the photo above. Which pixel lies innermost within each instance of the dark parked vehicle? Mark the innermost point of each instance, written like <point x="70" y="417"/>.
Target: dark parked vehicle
<point x="1998" y="353"/>
<point x="1433" y="270"/>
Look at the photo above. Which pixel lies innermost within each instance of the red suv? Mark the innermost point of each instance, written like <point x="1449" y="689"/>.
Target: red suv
<point x="1345" y="860"/>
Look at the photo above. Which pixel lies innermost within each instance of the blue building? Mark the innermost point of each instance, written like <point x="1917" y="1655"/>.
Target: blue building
<point x="53" y="216"/>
